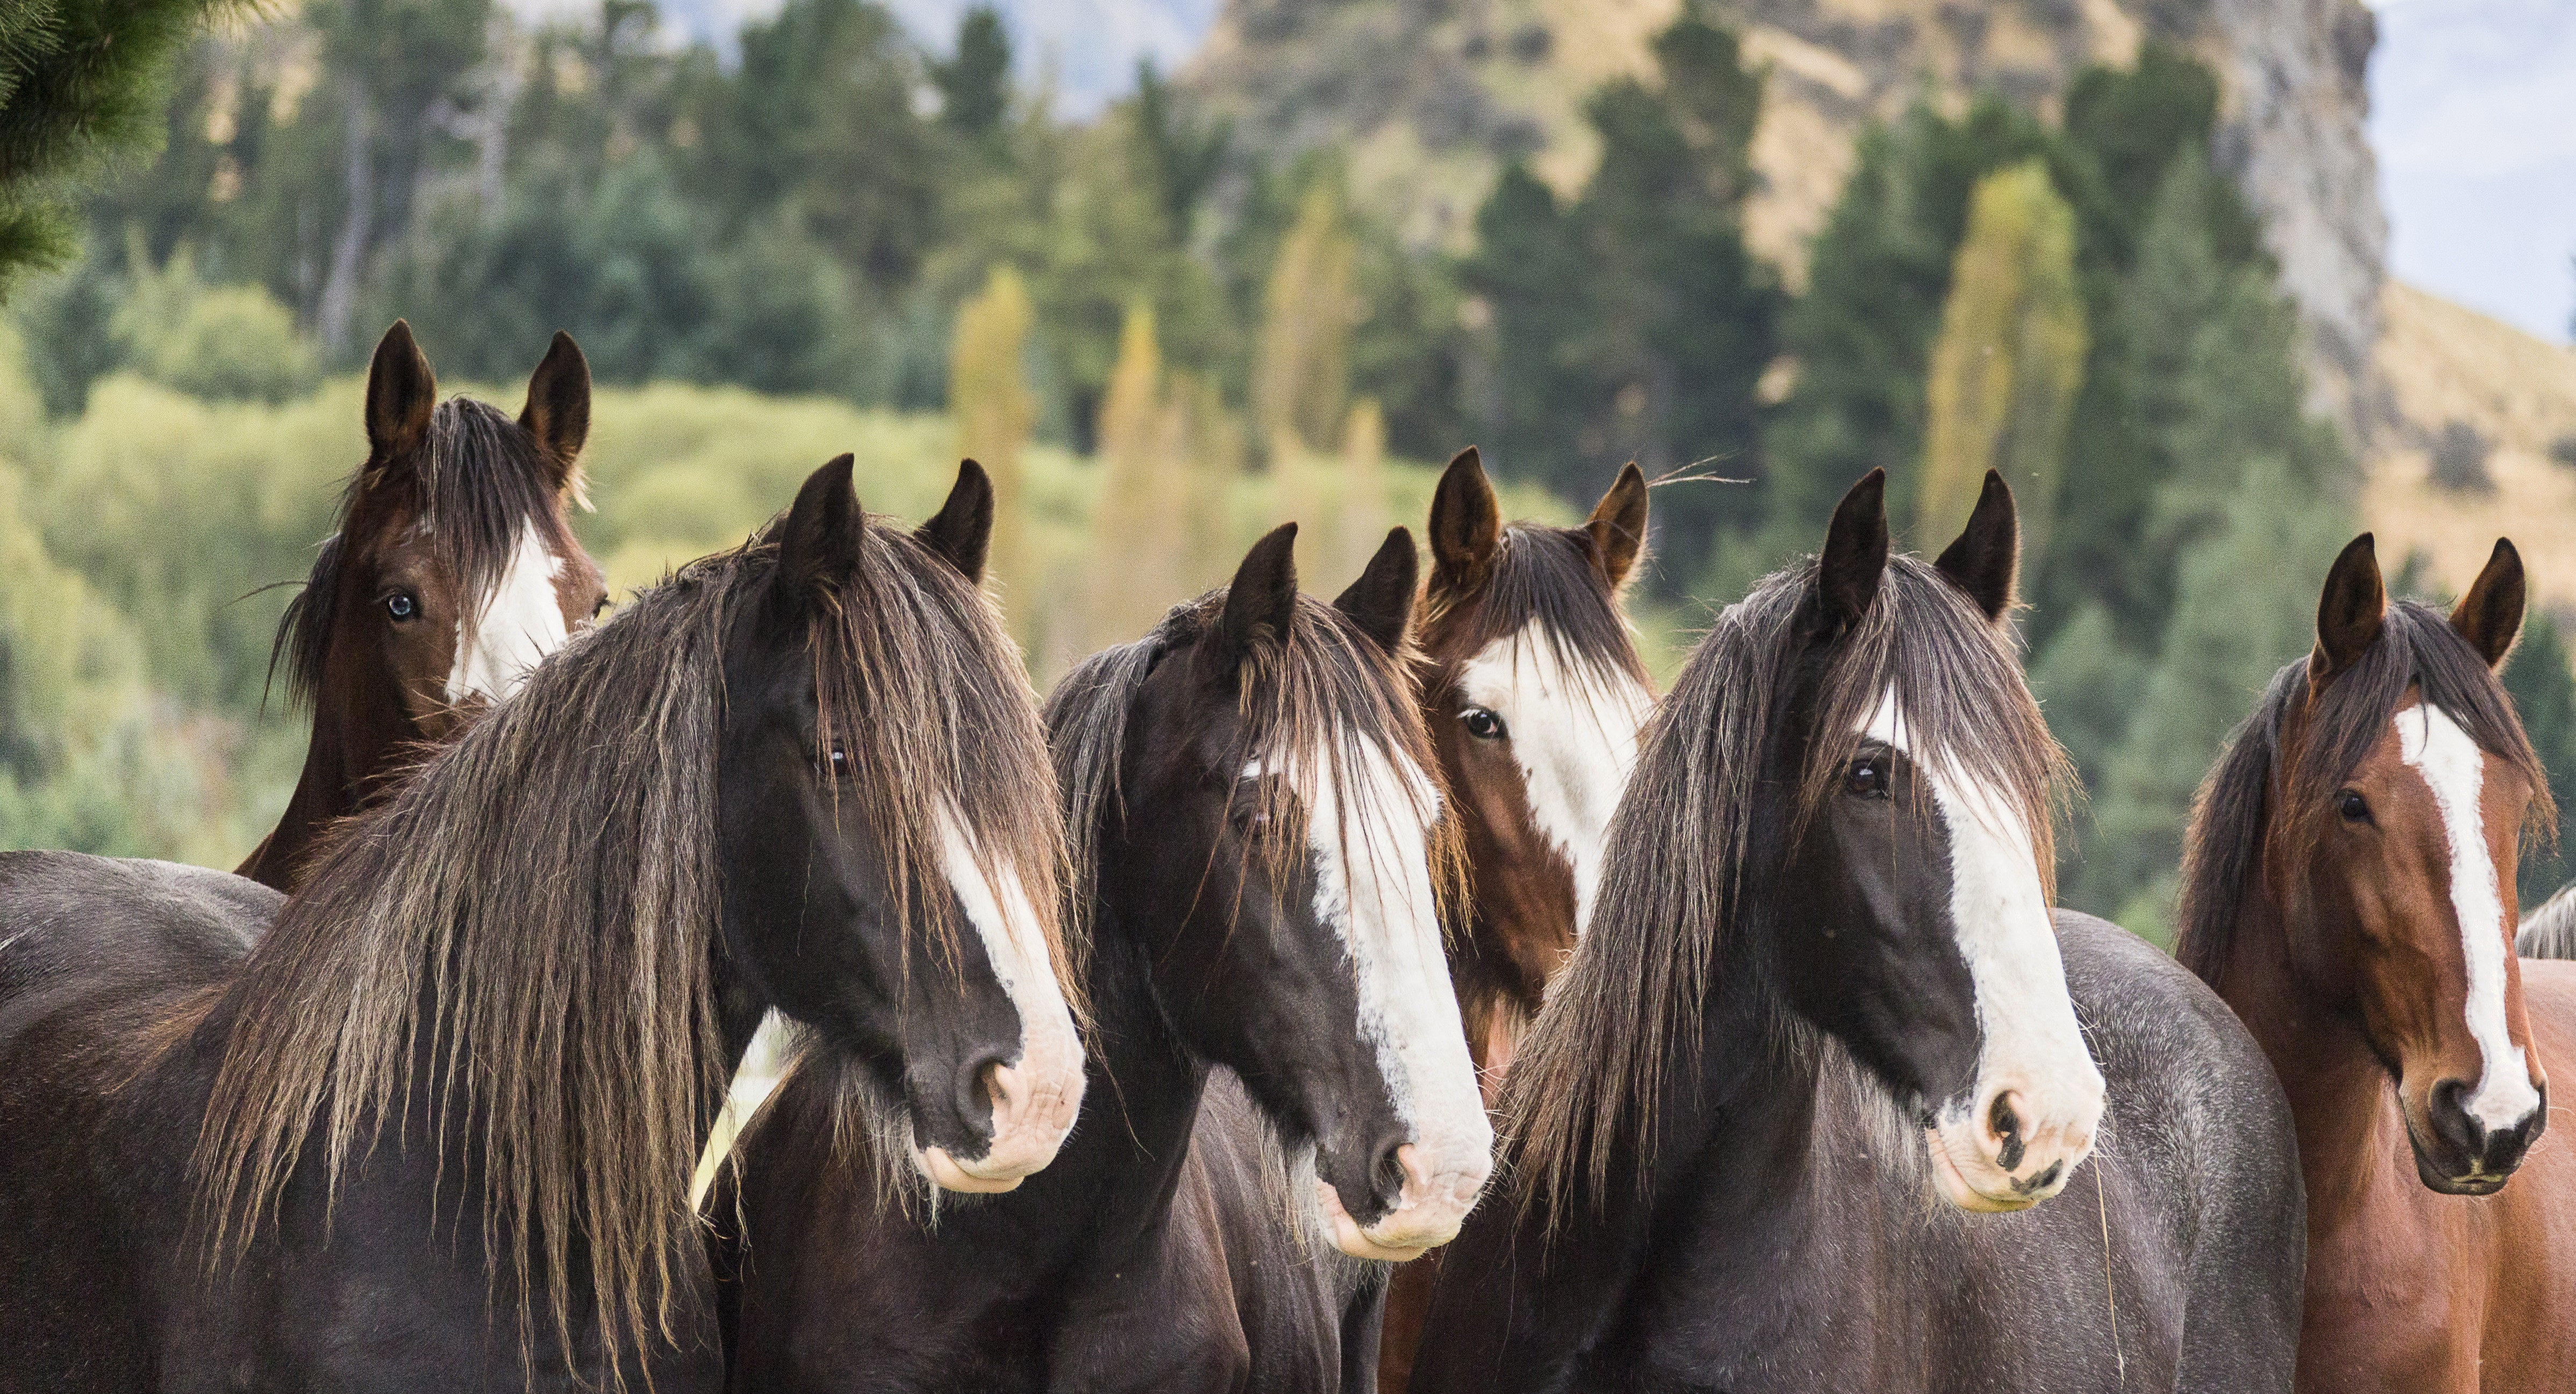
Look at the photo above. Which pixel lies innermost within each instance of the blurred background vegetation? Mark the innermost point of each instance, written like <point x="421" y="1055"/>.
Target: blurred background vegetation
<point x="1161" y="342"/>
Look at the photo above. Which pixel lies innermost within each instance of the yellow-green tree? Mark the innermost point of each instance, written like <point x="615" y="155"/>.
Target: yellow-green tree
<point x="1360" y="523"/>
<point x="989" y="400"/>
<point x="1302" y="371"/>
<point x="2009" y="360"/>
<point x="1139" y="548"/>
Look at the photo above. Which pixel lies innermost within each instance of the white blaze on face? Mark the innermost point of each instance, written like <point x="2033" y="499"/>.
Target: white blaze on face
<point x="521" y="622"/>
<point x="2434" y="746"/>
<point x="1573" y="731"/>
<point x="2033" y="1056"/>
<point x="1037" y="1095"/>
<point x="1373" y="886"/>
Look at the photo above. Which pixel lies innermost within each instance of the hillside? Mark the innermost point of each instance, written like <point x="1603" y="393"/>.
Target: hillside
<point x="2442" y="364"/>
<point x="1431" y="99"/>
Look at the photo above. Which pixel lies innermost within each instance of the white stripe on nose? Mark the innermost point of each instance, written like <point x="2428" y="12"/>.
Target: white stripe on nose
<point x="2434" y="746"/>
<point x="521" y="622"/>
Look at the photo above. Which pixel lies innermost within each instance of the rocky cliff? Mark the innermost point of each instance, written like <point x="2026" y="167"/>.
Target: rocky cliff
<point x="1431" y="96"/>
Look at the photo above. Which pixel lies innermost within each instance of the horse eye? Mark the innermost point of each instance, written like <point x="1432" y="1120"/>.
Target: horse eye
<point x="599" y="609"/>
<point x="840" y="760"/>
<point x="402" y="605"/>
<point x="2353" y="807"/>
<point x="1482" y="724"/>
<point x="1866" y="778"/>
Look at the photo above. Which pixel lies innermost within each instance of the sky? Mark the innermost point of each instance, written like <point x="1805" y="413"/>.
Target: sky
<point x="2473" y="115"/>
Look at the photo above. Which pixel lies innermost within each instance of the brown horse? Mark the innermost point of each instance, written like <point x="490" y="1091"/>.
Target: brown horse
<point x="453" y="571"/>
<point x="1534" y="695"/>
<point x="2349" y="889"/>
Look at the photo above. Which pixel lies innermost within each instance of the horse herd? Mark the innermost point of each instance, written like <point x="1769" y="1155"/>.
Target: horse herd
<point x="1726" y="1040"/>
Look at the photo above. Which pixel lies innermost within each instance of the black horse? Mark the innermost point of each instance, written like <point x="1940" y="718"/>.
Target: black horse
<point x="1821" y="995"/>
<point x="1278" y="1068"/>
<point x="430" y="1123"/>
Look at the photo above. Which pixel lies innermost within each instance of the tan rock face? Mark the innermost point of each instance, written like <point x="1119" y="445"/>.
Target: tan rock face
<point x="1431" y="98"/>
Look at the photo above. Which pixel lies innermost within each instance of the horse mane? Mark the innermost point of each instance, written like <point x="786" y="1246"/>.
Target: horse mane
<point x="523" y="937"/>
<point x="2417" y="650"/>
<point x="1322" y="697"/>
<point x="1678" y="880"/>
<point x="474" y="482"/>
<point x="1545" y="575"/>
<point x="2550" y="931"/>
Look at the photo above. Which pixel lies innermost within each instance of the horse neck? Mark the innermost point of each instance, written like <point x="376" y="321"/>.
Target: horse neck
<point x="358" y="738"/>
<point x="2338" y="1088"/>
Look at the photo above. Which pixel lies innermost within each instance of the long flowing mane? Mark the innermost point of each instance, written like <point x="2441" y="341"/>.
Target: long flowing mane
<point x="524" y="936"/>
<point x="476" y="482"/>
<point x="1679" y="878"/>
<point x="2417" y="650"/>
<point x="2550" y="931"/>
<point x="1543" y="574"/>
<point x="1321" y="698"/>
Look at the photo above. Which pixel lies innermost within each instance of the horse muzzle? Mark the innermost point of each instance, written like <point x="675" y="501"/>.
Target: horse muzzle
<point x="2459" y="1152"/>
<point x="2013" y="1151"/>
<point x="1432" y="1202"/>
<point x="1033" y="1109"/>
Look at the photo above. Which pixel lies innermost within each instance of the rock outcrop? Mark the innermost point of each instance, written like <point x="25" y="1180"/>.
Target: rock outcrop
<point x="1431" y="96"/>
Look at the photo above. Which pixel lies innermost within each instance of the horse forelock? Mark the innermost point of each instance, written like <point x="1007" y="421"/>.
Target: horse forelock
<point x="1539" y="576"/>
<point x="2417" y="651"/>
<point x="1591" y="1069"/>
<point x="537" y="908"/>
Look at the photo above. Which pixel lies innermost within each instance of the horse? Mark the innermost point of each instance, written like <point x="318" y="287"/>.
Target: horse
<point x="453" y="570"/>
<point x="1805" y="1109"/>
<point x="2550" y="931"/>
<point x="1280" y="1097"/>
<point x="1533" y="693"/>
<point x="2348" y="887"/>
<point x="430" y="1122"/>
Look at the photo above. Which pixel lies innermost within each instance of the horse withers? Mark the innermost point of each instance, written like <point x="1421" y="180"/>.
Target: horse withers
<point x="2348" y="887"/>
<point x="452" y="572"/>
<point x="1280" y="1096"/>
<point x="1827" y="1098"/>
<point x="434" y="1127"/>
<point x="1534" y="696"/>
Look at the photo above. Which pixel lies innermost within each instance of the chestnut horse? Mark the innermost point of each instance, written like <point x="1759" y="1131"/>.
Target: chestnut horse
<point x="2348" y="887"/>
<point x="452" y="572"/>
<point x="1534" y="696"/>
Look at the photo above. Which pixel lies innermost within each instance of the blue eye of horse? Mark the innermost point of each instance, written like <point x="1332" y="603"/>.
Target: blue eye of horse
<point x="1482" y="724"/>
<point x="2353" y="807"/>
<point x="402" y="605"/>
<point x="1866" y="778"/>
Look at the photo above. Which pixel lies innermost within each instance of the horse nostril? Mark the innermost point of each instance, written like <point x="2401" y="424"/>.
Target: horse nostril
<point x="1386" y="1174"/>
<point x="2451" y="1119"/>
<point x="979" y="1092"/>
<point x="2004" y="1121"/>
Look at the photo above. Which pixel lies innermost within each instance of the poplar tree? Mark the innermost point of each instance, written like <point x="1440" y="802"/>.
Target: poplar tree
<point x="994" y="413"/>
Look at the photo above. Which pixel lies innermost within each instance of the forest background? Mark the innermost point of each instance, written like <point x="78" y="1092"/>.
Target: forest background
<point x="1161" y="339"/>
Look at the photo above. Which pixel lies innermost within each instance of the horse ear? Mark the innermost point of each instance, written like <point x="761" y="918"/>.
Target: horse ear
<point x="1855" y="555"/>
<point x="2350" y="612"/>
<point x="818" y="545"/>
<point x="1380" y="602"/>
<point x="962" y="530"/>
<point x="2490" y="615"/>
<point x="558" y="413"/>
<point x="401" y="393"/>
<point x="1466" y="525"/>
<point x="1262" y="601"/>
<point x="1983" y="560"/>
<point x="1618" y="525"/>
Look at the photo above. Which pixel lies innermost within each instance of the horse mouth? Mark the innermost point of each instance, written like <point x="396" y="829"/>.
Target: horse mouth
<point x="1952" y="1184"/>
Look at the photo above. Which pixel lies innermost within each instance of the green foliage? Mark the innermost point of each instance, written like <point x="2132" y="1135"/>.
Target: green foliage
<point x="1634" y="324"/>
<point x="215" y="343"/>
<point x="2544" y="693"/>
<point x="975" y="83"/>
<point x="2010" y="356"/>
<point x="78" y="82"/>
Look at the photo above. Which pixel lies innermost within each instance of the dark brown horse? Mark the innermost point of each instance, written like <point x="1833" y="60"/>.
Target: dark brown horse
<point x="2349" y="889"/>
<point x="1534" y="696"/>
<point x="452" y="572"/>
<point x="1827" y="1099"/>
<point x="1277" y="1073"/>
<point x="429" y="1122"/>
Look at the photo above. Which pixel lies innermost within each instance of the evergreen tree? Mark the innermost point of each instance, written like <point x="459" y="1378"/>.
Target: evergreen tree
<point x="975" y="83"/>
<point x="78" y="83"/>
<point x="2544" y="693"/>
